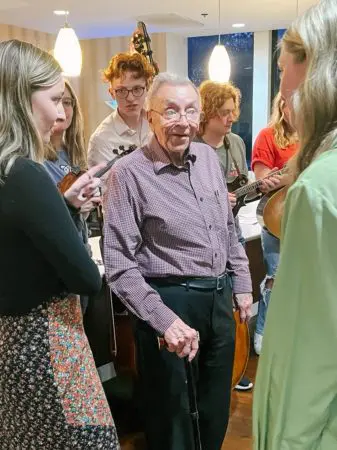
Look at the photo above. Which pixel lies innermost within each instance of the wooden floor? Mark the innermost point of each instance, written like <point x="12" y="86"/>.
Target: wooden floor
<point x="239" y="433"/>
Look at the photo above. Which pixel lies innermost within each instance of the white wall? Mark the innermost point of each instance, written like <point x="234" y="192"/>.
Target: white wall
<point x="176" y="54"/>
<point x="261" y="80"/>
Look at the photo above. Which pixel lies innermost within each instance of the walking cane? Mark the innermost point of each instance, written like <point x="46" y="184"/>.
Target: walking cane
<point x="192" y="397"/>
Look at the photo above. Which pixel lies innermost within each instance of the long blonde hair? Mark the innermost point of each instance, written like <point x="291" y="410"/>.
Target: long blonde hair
<point x="73" y="139"/>
<point x="24" y="69"/>
<point x="284" y="134"/>
<point x="313" y="38"/>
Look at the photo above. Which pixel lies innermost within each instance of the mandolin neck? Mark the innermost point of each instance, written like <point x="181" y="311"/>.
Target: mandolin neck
<point x="251" y="187"/>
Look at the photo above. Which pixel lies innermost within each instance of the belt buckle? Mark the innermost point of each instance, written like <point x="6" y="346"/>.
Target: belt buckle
<point x="218" y="280"/>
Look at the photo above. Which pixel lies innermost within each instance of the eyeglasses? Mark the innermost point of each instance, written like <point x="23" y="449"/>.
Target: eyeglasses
<point x="224" y="114"/>
<point x="68" y="102"/>
<point x="137" y="91"/>
<point x="171" y="115"/>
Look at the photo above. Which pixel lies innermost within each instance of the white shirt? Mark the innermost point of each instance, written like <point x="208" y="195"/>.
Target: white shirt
<point x="112" y="133"/>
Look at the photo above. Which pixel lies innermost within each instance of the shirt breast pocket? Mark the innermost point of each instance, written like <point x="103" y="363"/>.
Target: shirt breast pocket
<point x="218" y="208"/>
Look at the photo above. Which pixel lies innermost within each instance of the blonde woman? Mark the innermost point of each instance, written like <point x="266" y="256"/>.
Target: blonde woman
<point x="295" y="401"/>
<point x="50" y="393"/>
<point x="273" y="148"/>
<point x="66" y="148"/>
<point x="65" y="151"/>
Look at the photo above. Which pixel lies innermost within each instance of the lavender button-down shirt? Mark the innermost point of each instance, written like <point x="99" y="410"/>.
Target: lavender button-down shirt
<point x="164" y="221"/>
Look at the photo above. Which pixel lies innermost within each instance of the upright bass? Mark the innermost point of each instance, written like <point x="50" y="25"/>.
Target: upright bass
<point x="122" y="341"/>
<point x="141" y="43"/>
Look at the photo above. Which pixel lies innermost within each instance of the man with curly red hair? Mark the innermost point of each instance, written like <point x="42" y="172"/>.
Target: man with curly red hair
<point x="129" y="76"/>
<point x="221" y="108"/>
<point x="220" y="103"/>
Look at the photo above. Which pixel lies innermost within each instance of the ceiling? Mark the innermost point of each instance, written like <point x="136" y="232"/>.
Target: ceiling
<point x="105" y="18"/>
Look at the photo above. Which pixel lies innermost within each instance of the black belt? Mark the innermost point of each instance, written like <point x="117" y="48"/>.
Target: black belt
<point x="206" y="283"/>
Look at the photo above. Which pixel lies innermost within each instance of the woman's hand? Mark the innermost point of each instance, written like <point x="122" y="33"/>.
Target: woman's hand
<point x="91" y="204"/>
<point x="271" y="183"/>
<point x="84" y="188"/>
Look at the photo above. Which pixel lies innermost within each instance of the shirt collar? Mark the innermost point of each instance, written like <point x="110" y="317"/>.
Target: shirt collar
<point x="160" y="157"/>
<point x="121" y="127"/>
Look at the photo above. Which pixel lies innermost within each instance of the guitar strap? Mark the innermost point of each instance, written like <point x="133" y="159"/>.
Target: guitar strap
<point x="227" y="146"/>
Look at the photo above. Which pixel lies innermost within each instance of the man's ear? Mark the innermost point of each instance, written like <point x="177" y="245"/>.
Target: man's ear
<point x="149" y="117"/>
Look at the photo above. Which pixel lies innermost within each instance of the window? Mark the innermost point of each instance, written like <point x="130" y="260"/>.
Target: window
<point x="240" y="47"/>
<point x="275" y="73"/>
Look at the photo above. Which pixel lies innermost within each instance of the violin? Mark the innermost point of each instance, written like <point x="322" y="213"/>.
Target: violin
<point x="76" y="172"/>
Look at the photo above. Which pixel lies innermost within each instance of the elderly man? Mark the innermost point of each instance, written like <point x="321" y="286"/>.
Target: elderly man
<point x="172" y="256"/>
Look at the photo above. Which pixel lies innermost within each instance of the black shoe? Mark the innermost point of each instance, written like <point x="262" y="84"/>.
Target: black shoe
<point x="244" y="385"/>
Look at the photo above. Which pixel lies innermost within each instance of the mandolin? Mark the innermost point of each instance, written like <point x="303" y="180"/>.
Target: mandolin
<point x="242" y="189"/>
<point x="269" y="211"/>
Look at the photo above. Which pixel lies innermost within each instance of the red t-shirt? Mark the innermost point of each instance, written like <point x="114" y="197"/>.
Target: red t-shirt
<point x="265" y="150"/>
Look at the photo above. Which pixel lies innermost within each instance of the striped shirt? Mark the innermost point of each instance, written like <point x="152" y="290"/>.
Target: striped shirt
<point x="163" y="221"/>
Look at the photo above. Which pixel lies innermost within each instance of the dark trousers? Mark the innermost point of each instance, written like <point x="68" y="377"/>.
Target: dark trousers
<point x="162" y="374"/>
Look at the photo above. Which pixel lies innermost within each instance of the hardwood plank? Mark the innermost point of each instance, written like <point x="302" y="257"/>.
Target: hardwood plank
<point x="239" y="433"/>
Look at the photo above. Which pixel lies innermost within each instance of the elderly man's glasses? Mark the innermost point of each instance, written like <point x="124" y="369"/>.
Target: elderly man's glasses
<point x="137" y="91"/>
<point x="171" y="115"/>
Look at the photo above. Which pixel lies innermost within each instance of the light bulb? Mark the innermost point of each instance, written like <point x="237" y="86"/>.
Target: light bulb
<point x="68" y="52"/>
<point x="219" y="66"/>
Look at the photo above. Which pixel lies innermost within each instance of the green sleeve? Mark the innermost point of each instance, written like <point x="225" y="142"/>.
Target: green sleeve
<point x="296" y="386"/>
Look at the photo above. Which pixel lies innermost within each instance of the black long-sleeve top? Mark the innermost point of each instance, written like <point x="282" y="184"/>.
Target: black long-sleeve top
<point x="41" y="254"/>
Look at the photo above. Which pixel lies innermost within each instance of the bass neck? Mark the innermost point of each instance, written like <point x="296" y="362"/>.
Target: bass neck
<point x="251" y="187"/>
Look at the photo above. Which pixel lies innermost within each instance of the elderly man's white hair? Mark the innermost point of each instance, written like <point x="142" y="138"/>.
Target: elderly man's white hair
<point x="170" y="79"/>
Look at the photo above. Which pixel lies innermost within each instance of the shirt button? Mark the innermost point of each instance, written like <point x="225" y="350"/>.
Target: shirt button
<point x="216" y="255"/>
<point x="210" y="227"/>
<point x="201" y="199"/>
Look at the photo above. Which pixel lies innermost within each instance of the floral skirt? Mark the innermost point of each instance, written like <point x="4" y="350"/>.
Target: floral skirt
<point x="51" y="396"/>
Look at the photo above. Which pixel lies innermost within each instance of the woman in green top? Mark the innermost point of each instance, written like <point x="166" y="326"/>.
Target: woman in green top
<point x="295" y="401"/>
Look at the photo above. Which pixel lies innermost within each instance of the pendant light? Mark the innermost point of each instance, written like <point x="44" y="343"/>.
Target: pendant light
<point x="219" y="66"/>
<point x="67" y="50"/>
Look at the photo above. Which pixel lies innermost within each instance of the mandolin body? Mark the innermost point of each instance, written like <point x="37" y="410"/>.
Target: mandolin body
<point x="270" y="209"/>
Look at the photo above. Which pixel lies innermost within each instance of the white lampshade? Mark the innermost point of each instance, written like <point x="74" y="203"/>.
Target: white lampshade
<point x="219" y="66"/>
<point x="68" y="52"/>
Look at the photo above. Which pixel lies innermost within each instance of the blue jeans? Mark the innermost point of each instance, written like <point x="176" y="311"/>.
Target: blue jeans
<point x="271" y="255"/>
